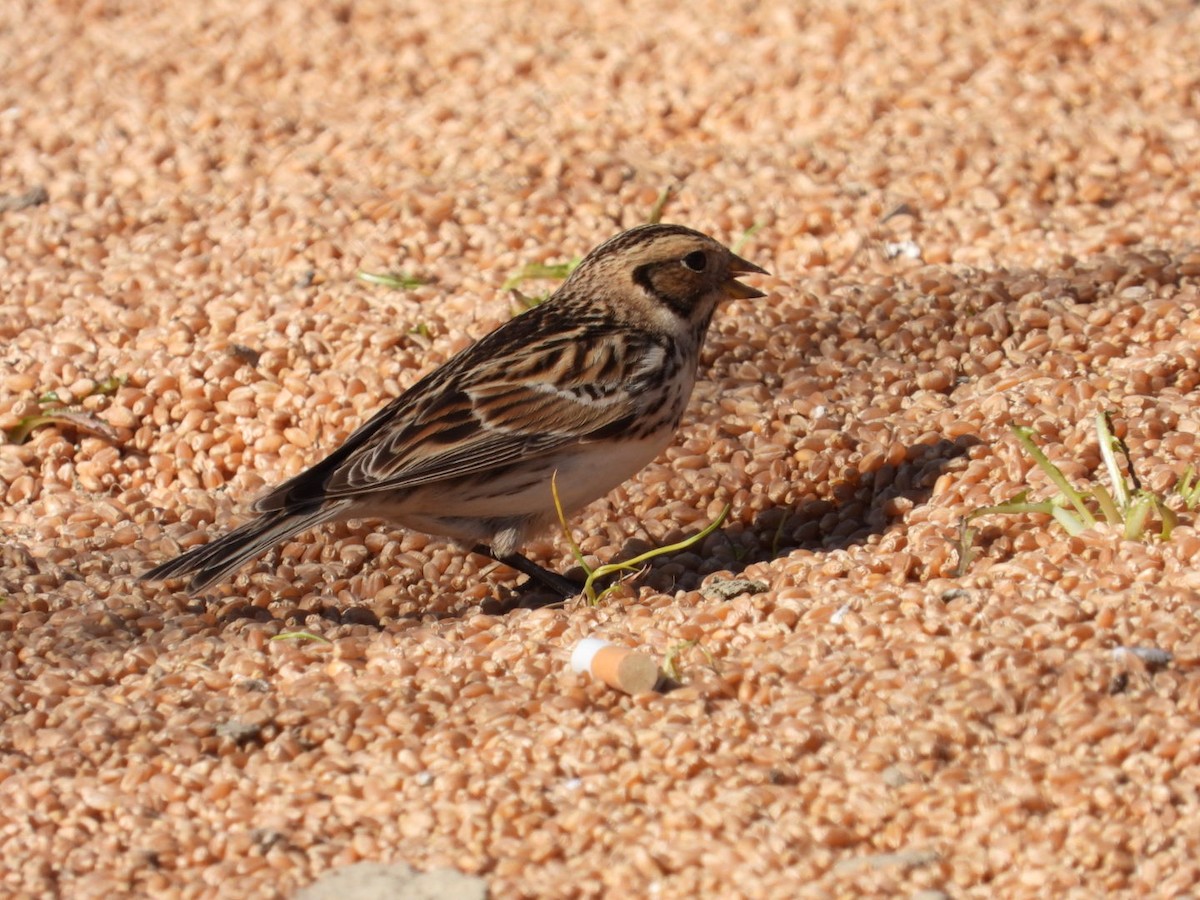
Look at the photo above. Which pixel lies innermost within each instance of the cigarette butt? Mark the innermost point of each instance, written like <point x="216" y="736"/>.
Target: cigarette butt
<point x="618" y="667"/>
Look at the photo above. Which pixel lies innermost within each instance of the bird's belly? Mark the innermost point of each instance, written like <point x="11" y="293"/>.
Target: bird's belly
<point x="581" y="474"/>
<point x="589" y="475"/>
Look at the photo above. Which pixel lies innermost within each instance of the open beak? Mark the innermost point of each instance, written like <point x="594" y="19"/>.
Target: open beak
<point x="734" y="288"/>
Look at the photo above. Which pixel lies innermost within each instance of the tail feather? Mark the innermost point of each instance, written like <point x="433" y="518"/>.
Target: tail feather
<point x="211" y="562"/>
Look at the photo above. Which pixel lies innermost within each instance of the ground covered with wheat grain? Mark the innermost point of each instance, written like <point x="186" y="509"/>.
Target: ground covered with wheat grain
<point x="973" y="216"/>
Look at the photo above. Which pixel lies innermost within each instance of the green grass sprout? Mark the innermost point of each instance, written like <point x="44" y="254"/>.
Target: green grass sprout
<point x="660" y="203"/>
<point x="1127" y="505"/>
<point x="301" y="636"/>
<point x="53" y="410"/>
<point x="671" y="667"/>
<point x="1188" y="488"/>
<point x="527" y="301"/>
<point x="109" y="386"/>
<point x="745" y="236"/>
<point x="83" y="422"/>
<point x="1084" y="518"/>
<point x="535" y="271"/>
<point x="965" y="545"/>
<point x="532" y="271"/>
<point x="629" y="565"/>
<point x="398" y="281"/>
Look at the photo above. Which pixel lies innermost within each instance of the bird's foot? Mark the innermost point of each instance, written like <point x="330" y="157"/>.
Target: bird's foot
<point x="551" y="581"/>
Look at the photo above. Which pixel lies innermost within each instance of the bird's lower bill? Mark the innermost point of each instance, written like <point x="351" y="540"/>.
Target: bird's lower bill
<point x="738" y="291"/>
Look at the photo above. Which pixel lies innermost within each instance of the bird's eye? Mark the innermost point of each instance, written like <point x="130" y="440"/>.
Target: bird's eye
<point x="696" y="260"/>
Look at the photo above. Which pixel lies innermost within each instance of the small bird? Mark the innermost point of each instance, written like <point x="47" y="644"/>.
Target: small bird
<point x="586" y="388"/>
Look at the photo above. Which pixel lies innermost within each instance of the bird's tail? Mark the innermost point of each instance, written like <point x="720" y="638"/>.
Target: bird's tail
<point x="211" y="562"/>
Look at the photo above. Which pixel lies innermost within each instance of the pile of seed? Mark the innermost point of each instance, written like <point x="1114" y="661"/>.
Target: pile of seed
<point x="974" y="215"/>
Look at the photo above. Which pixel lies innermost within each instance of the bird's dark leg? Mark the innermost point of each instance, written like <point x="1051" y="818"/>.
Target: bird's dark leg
<point x="552" y="581"/>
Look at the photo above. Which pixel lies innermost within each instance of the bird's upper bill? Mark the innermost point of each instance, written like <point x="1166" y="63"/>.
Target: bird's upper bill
<point x="734" y="288"/>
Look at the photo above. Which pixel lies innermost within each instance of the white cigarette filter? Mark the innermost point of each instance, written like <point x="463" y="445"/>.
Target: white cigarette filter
<point x="618" y="667"/>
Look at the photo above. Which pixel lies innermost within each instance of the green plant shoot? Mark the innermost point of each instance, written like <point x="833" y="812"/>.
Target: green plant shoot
<point x="629" y="565"/>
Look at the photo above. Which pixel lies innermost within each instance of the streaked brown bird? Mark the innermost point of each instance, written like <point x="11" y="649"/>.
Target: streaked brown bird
<point x="591" y="385"/>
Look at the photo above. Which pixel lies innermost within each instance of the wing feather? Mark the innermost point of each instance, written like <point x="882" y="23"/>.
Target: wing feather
<point x="497" y="403"/>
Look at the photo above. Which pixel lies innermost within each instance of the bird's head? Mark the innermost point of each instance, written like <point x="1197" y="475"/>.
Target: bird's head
<point x="664" y="275"/>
